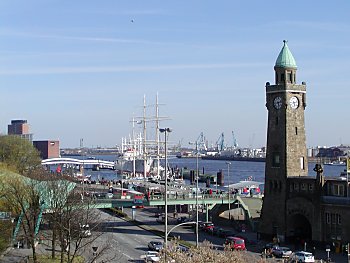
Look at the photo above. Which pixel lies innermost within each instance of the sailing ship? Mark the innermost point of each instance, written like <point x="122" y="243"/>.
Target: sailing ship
<point x="140" y="155"/>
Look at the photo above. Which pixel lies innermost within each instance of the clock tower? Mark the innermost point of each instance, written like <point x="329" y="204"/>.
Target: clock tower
<point x="286" y="153"/>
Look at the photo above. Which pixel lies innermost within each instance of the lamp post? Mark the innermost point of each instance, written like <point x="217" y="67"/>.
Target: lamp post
<point x="229" y="192"/>
<point x="165" y="131"/>
<point x="197" y="175"/>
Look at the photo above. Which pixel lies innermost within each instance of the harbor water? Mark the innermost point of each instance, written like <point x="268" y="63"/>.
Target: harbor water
<point x="238" y="170"/>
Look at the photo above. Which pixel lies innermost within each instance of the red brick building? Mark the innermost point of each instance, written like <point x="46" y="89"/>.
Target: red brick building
<point x="48" y="149"/>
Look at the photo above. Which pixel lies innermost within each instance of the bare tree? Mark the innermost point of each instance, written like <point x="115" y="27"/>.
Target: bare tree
<point x="75" y="223"/>
<point x="23" y="198"/>
<point x="205" y="253"/>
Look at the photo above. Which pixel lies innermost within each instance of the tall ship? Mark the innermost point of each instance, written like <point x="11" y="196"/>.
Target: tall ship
<point x="140" y="152"/>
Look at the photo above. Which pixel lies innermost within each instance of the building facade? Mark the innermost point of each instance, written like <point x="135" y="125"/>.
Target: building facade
<point x="20" y="128"/>
<point x="48" y="149"/>
<point x="295" y="205"/>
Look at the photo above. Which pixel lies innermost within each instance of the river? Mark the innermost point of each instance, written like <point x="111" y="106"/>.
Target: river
<point x="239" y="170"/>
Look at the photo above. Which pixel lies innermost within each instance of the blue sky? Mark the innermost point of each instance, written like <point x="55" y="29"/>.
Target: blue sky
<point x="79" y="69"/>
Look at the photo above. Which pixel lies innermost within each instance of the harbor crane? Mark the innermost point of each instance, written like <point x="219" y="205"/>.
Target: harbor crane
<point x="202" y="143"/>
<point x="220" y="143"/>
<point x="235" y="145"/>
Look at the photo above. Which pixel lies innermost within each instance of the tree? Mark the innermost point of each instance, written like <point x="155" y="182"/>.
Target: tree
<point x="74" y="222"/>
<point x="205" y="253"/>
<point x="21" y="196"/>
<point x="18" y="154"/>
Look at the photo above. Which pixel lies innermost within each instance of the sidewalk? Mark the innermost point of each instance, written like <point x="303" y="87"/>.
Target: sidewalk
<point x="21" y="255"/>
<point x="15" y="255"/>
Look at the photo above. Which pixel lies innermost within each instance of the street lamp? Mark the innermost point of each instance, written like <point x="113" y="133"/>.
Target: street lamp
<point x="229" y="192"/>
<point x="165" y="131"/>
<point x="197" y="175"/>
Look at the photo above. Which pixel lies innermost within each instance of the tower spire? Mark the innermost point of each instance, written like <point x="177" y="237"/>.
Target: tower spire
<point x="285" y="58"/>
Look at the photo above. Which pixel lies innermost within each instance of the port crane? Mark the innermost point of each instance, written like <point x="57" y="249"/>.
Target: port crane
<point x="235" y="145"/>
<point x="220" y="143"/>
<point x="201" y="142"/>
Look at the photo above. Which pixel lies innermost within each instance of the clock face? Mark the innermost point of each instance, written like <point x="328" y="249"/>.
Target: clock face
<point x="277" y="102"/>
<point x="294" y="102"/>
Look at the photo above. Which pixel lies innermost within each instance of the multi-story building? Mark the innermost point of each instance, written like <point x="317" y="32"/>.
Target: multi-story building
<point x="20" y="128"/>
<point x="48" y="149"/>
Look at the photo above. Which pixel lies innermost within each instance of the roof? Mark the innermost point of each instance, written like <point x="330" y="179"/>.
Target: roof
<point x="285" y="58"/>
<point x="244" y="184"/>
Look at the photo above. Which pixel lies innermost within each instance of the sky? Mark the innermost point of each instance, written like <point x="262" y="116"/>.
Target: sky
<point x="81" y="69"/>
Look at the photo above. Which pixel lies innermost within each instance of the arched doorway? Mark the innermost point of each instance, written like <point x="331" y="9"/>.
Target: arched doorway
<point x="299" y="229"/>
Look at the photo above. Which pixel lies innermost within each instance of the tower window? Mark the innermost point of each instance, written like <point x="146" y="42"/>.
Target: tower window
<point x="296" y="186"/>
<point x="275" y="160"/>
<point x="311" y="187"/>
<point x="338" y="190"/>
<point x="328" y="218"/>
<point x="302" y="163"/>
<point x="296" y="130"/>
<point x="276" y="120"/>
<point x="290" y="77"/>
<point x="282" y="77"/>
<point x="338" y="219"/>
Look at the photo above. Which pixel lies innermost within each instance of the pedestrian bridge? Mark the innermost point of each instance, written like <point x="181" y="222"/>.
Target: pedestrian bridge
<point x="249" y="204"/>
<point x="102" y="164"/>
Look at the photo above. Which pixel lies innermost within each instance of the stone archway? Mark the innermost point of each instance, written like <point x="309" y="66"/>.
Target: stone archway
<point x="299" y="230"/>
<point x="300" y="226"/>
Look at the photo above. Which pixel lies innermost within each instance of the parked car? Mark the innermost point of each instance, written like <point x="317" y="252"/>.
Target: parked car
<point x="303" y="256"/>
<point x="208" y="226"/>
<point x="202" y="224"/>
<point x="155" y="245"/>
<point x="151" y="256"/>
<point x="182" y="248"/>
<point x="281" y="252"/>
<point x="235" y="243"/>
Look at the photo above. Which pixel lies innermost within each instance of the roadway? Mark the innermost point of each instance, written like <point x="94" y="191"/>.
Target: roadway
<point x="127" y="241"/>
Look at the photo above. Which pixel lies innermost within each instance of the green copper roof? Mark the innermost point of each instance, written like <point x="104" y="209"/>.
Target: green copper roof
<point x="285" y="58"/>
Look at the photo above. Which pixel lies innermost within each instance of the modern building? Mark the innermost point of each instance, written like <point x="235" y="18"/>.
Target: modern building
<point x="20" y="128"/>
<point x="48" y="149"/>
<point x="297" y="206"/>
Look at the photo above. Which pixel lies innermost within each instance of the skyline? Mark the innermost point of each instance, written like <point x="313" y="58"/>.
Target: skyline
<point x="80" y="69"/>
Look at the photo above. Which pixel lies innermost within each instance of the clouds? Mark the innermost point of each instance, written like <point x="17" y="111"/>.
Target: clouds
<point x="208" y="61"/>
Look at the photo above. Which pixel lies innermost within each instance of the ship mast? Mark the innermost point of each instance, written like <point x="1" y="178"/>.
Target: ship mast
<point x="144" y="138"/>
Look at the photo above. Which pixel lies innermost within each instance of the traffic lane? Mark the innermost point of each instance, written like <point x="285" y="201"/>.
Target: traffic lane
<point x="146" y="216"/>
<point x="186" y="232"/>
<point x="131" y="241"/>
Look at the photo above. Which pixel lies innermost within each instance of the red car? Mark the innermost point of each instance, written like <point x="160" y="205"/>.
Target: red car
<point x="208" y="227"/>
<point x="235" y="243"/>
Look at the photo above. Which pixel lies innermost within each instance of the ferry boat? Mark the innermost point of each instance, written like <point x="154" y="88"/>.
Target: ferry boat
<point x="336" y="162"/>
